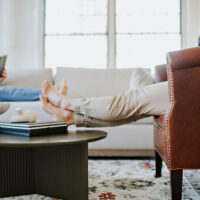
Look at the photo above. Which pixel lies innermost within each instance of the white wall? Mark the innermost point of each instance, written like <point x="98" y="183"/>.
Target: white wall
<point x="21" y="30"/>
<point x="190" y="22"/>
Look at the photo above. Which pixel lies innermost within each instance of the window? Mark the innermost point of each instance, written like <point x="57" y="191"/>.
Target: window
<point x="146" y="31"/>
<point x="110" y="33"/>
<point x="76" y="33"/>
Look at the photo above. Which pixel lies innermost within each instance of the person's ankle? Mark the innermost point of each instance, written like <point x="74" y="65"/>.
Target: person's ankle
<point x="69" y="117"/>
<point x="67" y="103"/>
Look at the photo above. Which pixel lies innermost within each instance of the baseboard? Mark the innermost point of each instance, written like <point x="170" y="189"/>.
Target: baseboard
<point x="121" y="153"/>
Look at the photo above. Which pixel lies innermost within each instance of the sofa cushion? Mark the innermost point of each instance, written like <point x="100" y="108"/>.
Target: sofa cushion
<point x="25" y="78"/>
<point x="84" y="82"/>
<point x="140" y="78"/>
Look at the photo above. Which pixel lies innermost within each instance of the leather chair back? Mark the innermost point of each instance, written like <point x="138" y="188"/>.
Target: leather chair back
<point x="183" y="118"/>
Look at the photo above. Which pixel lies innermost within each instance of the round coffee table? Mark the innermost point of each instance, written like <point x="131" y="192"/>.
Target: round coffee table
<point x="54" y="165"/>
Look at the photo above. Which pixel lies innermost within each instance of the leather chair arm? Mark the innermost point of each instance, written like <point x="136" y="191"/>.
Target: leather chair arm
<point x="183" y="59"/>
<point x="160" y="73"/>
<point x="183" y="118"/>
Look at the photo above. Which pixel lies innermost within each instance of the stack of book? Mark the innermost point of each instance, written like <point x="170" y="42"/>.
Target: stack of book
<point x="33" y="129"/>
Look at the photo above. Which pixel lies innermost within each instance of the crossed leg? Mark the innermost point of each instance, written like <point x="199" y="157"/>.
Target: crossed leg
<point x="57" y="113"/>
<point x="61" y="87"/>
<point x="112" y="110"/>
<point x="57" y="98"/>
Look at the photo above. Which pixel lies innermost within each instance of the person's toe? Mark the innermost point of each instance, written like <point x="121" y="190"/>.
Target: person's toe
<point x="43" y="99"/>
<point x="63" y="87"/>
<point x="46" y="106"/>
<point x="46" y="85"/>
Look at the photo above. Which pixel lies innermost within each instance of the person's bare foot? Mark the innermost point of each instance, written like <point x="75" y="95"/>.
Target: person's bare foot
<point x="55" y="97"/>
<point x="62" y="87"/>
<point x="58" y="114"/>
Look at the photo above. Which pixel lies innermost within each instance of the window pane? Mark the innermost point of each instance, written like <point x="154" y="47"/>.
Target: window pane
<point x="136" y="16"/>
<point x="145" y="50"/>
<point x="76" y="16"/>
<point x="76" y="51"/>
<point x="146" y="31"/>
<point x="76" y="33"/>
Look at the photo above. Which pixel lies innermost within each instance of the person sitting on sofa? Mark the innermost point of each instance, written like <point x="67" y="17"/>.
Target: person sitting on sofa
<point x="106" y="111"/>
<point x="8" y="93"/>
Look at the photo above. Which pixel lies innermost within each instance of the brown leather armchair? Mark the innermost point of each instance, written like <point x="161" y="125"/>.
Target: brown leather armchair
<point x="177" y="133"/>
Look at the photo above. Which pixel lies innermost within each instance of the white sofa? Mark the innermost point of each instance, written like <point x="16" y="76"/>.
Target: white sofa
<point x="130" y="139"/>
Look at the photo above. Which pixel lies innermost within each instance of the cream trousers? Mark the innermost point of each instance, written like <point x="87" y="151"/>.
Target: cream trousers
<point x="123" y="108"/>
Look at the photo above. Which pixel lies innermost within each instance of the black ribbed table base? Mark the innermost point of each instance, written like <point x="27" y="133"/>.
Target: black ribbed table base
<point x="54" y="171"/>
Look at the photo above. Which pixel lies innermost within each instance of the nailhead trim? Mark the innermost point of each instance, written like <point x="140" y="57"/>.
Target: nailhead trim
<point x="170" y="81"/>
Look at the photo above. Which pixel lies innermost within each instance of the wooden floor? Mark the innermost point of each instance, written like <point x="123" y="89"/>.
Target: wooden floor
<point x="120" y="153"/>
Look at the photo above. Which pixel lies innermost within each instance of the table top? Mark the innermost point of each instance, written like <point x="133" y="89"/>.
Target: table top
<point x="70" y="137"/>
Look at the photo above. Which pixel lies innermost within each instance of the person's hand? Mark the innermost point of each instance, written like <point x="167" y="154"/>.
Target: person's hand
<point x="3" y="75"/>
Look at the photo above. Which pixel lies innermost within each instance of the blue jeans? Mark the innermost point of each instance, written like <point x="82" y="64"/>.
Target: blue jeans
<point x="9" y="93"/>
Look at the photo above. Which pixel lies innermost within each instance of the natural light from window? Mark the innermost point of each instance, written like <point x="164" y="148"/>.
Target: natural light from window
<point x="76" y="32"/>
<point x="146" y="31"/>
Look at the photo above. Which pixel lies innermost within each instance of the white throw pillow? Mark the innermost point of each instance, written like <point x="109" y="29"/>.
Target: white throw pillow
<point x="140" y="78"/>
<point x="25" y="78"/>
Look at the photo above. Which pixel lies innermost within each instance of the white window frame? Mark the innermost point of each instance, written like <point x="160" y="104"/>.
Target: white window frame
<point x="111" y="48"/>
<point x="111" y="30"/>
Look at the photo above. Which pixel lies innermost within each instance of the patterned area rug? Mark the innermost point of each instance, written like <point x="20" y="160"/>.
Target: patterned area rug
<point x="134" y="179"/>
<point x="131" y="179"/>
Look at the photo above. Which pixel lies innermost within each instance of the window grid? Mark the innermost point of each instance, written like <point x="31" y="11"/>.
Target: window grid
<point x="112" y="34"/>
<point x="76" y="35"/>
<point x="163" y="25"/>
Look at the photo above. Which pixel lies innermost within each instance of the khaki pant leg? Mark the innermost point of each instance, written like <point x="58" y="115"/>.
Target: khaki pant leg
<point x="120" y="109"/>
